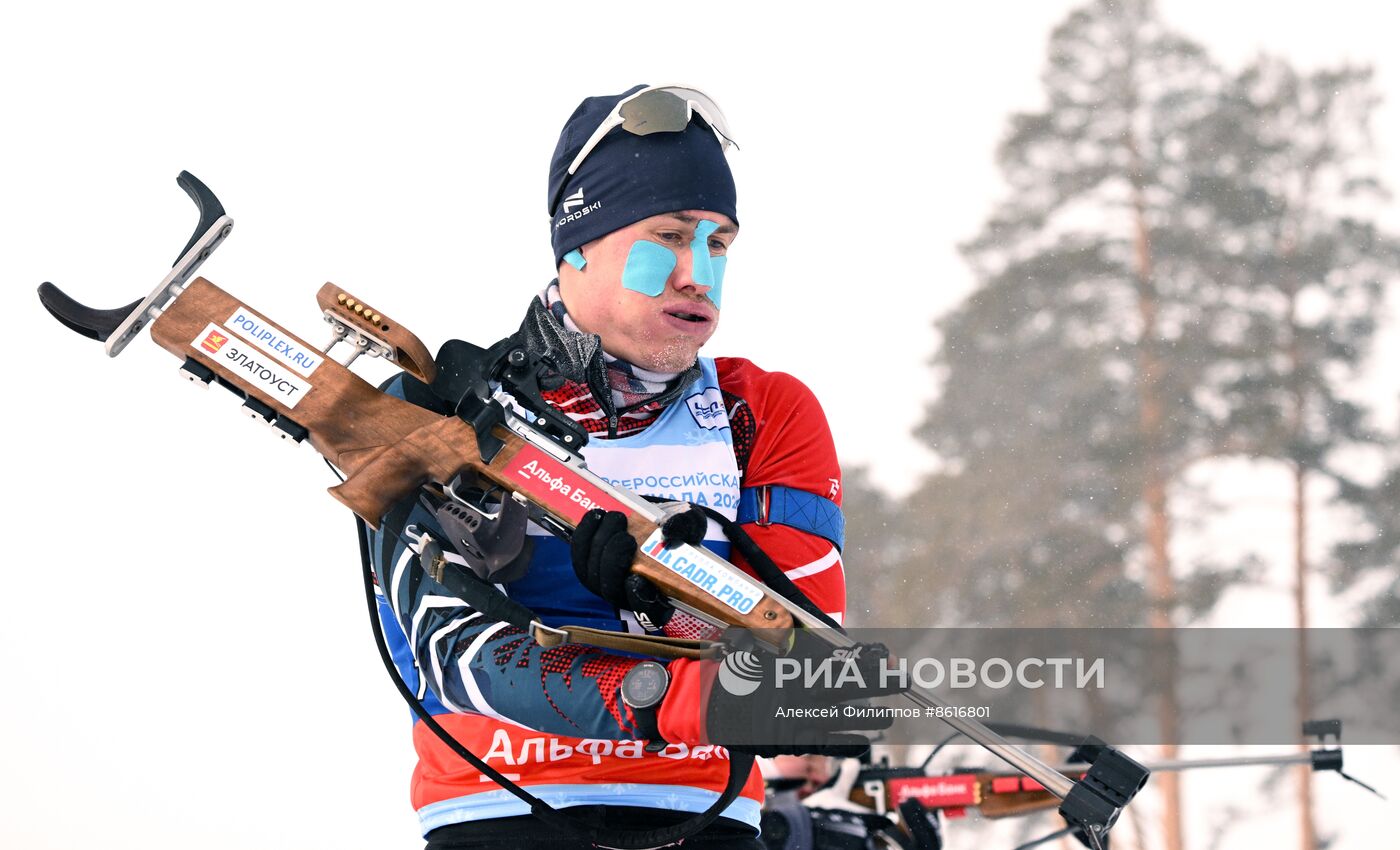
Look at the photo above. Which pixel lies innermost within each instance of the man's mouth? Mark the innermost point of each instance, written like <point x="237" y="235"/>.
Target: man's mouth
<point x="684" y="315"/>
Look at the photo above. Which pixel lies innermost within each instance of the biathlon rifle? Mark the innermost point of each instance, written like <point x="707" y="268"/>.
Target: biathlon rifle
<point x="501" y="431"/>
<point x="905" y="793"/>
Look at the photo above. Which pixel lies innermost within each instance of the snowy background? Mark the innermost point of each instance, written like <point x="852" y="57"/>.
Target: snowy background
<point x="187" y="657"/>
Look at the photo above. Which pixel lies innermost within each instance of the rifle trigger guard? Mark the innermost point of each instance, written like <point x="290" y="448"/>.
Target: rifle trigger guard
<point x="493" y="544"/>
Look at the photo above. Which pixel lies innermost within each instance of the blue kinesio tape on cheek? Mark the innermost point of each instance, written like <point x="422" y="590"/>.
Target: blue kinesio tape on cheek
<point x="649" y="266"/>
<point x="575" y="259"/>
<point x="717" y="266"/>
<point x="707" y="270"/>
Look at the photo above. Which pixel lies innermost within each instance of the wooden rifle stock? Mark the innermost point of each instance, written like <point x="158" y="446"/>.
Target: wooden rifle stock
<point x="388" y="447"/>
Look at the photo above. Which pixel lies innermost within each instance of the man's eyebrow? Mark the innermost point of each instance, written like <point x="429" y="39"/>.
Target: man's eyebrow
<point x="690" y="219"/>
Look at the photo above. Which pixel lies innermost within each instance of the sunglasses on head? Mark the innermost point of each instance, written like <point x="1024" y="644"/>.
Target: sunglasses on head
<point x="655" y="109"/>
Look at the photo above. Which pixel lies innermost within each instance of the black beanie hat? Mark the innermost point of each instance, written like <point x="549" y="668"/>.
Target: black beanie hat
<point x="627" y="178"/>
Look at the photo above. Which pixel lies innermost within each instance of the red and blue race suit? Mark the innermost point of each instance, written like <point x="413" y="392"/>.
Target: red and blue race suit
<point x="753" y="445"/>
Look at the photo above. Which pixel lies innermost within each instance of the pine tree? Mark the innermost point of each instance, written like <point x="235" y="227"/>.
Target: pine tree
<point x="1183" y="270"/>
<point x="1068" y="401"/>
<point x="1377" y="554"/>
<point x="1286" y="168"/>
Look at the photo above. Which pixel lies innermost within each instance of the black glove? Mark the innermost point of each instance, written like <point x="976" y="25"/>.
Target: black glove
<point x="750" y="711"/>
<point x="603" y="551"/>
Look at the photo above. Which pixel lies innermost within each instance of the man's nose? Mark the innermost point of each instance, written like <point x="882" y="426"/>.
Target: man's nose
<point x="683" y="275"/>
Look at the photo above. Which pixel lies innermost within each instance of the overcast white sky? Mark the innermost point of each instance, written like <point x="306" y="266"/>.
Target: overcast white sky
<point x="187" y="658"/>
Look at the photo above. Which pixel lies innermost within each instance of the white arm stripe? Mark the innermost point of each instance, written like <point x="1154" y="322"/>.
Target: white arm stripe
<point x="437" y="665"/>
<point x="426" y="604"/>
<point x="825" y="562"/>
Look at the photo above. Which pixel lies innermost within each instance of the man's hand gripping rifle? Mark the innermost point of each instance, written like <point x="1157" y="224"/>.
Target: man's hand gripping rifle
<point x="502" y="431"/>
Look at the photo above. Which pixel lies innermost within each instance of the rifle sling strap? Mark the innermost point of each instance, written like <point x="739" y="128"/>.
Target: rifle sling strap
<point x="654" y="645"/>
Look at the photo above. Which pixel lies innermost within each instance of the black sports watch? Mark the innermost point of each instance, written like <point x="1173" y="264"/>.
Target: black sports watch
<point x="643" y="689"/>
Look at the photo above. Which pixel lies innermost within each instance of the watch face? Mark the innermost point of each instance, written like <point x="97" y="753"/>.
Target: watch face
<point x="645" y="685"/>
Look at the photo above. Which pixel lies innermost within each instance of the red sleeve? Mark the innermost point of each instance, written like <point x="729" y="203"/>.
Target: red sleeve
<point x="781" y="437"/>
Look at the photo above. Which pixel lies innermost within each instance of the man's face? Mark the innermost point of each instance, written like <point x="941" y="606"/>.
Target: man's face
<point x="662" y="333"/>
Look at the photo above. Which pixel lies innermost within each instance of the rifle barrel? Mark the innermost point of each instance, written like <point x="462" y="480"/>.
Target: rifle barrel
<point x="1229" y="761"/>
<point x="1054" y="780"/>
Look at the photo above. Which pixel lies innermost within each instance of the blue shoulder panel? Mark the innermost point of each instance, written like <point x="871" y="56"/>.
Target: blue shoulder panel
<point x="799" y="509"/>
